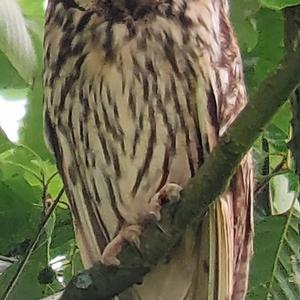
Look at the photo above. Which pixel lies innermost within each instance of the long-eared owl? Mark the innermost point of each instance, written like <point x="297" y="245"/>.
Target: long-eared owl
<point x="137" y="93"/>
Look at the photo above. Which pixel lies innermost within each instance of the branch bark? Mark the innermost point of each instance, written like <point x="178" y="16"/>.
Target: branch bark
<point x="103" y="282"/>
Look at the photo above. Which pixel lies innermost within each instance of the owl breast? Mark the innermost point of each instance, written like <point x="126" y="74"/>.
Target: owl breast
<point x="122" y="107"/>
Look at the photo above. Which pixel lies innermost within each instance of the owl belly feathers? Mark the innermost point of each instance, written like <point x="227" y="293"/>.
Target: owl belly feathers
<point x="128" y="124"/>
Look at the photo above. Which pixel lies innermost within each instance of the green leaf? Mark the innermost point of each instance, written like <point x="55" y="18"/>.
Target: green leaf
<point x="32" y="10"/>
<point x="268" y="52"/>
<point x="267" y="238"/>
<point x="13" y="93"/>
<point x="283" y="275"/>
<point x="9" y="76"/>
<point x="28" y="286"/>
<point x="15" y="40"/>
<point x="5" y="143"/>
<point x="20" y="211"/>
<point x="283" y="118"/>
<point x="242" y="12"/>
<point x="279" y="4"/>
<point x="281" y="195"/>
<point x="21" y="173"/>
<point x="274" y="269"/>
<point x="32" y="131"/>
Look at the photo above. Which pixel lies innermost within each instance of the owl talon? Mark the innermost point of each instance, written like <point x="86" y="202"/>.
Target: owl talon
<point x="131" y="234"/>
<point x="168" y="193"/>
<point x="128" y="233"/>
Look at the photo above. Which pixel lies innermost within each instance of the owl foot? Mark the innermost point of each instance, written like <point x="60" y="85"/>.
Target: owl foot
<point x="131" y="233"/>
<point x="168" y="193"/>
<point x="127" y="234"/>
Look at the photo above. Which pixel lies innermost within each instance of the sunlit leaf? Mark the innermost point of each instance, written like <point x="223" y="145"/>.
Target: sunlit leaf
<point x="282" y="282"/>
<point x="15" y="40"/>
<point x="28" y="286"/>
<point x="279" y="4"/>
<point x="274" y="266"/>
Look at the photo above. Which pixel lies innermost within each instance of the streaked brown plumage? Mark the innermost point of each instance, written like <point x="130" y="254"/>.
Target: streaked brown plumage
<point x="137" y="93"/>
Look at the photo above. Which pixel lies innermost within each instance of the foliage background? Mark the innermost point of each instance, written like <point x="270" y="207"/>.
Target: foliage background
<point x="27" y="169"/>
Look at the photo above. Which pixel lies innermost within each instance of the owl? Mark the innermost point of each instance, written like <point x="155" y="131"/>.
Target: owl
<point x="137" y="94"/>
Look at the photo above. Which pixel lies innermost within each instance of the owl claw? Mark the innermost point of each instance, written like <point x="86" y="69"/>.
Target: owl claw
<point x="131" y="233"/>
<point x="128" y="233"/>
<point x="168" y="193"/>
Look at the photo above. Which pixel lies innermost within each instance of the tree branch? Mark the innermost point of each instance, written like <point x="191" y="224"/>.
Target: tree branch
<point x="103" y="282"/>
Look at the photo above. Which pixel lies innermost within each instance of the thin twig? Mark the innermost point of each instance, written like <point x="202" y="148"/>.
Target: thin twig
<point x="31" y="247"/>
<point x="50" y="178"/>
<point x="277" y="171"/>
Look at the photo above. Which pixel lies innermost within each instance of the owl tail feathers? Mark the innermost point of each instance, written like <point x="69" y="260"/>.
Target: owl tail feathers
<point x="200" y="268"/>
<point x="214" y="277"/>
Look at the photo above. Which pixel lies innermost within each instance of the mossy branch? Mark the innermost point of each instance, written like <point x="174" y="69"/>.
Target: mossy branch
<point x="102" y="282"/>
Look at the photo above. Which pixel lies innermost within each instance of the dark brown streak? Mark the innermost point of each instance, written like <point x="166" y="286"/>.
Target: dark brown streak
<point x="131" y="104"/>
<point x="212" y="109"/>
<point x="131" y="28"/>
<point x="170" y="53"/>
<point x="70" y="81"/>
<point x="66" y="3"/>
<point x="74" y="208"/>
<point x="53" y="140"/>
<point x="81" y="134"/>
<point x="145" y="87"/>
<point x="98" y="200"/>
<point x="183" y="126"/>
<point x="68" y="24"/>
<point x="109" y="98"/>
<point x="87" y="141"/>
<point x="97" y="197"/>
<point x="165" y="169"/>
<point x="188" y="94"/>
<point x="141" y="121"/>
<point x="184" y="19"/>
<point x="112" y="198"/>
<point x="171" y="133"/>
<point x="63" y="93"/>
<point x="188" y="153"/>
<point x="84" y="21"/>
<point x="150" y="68"/>
<point x="70" y="123"/>
<point x="198" y="140"/>
<point x="104" y="148"/>
<point x="107" y="45"/>
<point x="64" y="52"/>
<point x="116" y="163"/>
<point x="97" y="120"/>
<point x="120" y="131"/>
<point x="72" y="173"/>
<point x="135" y="142"/>
<point x="116" y="113"/>
<point x="103" y="228"/>
<point x="86" y="108"/>
<point x="177" y="104"/>
<point x="149" y="153"/>
<point x="92" y="211"/>
<point x="108" y="125"/>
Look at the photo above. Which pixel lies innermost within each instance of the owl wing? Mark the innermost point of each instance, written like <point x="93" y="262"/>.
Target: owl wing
<point x="227" y="231"/>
